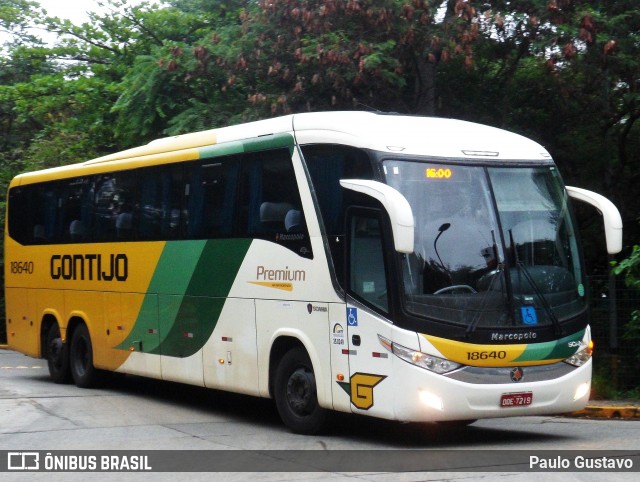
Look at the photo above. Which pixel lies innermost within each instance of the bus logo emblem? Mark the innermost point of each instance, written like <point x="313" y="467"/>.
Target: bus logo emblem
<point x="360" y="389"/>
<point x="517" y="374"/>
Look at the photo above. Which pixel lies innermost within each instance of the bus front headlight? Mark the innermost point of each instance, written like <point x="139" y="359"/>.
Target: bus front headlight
<point x="432" y="363"/>
<point x="582" y="356"/>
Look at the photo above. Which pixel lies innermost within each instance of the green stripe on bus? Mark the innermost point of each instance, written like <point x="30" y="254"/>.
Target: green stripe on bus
<point x="186" y="296"/>
<point x="552" y="350"/>
<point x="202" y="304"/>
<point x="224" y="149"/>
<point x="274" y="141"/>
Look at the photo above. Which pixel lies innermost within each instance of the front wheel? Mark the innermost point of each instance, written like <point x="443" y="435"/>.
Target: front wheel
<point x="57" y="356"/>
<point x="296" y="395"/>
<point x="85" y="375"/>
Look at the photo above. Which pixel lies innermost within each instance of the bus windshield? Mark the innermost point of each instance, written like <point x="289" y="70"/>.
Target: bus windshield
<point x="494" y="246"/>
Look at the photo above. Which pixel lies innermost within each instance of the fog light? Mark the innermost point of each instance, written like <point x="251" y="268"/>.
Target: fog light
<point x="431" y="400"/>
<point x="582" y="390"/>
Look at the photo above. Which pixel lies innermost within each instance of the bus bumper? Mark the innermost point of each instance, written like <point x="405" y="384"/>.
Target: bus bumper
<point x="439" y="398"/>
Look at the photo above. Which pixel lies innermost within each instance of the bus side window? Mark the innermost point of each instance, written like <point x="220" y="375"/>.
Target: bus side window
<point x="76" y="199"/>
<point x="160" y="202"/>
<point x="327" y="164"/>
<point x="211" y="205"/>
<point x="270" y="206"/>
<point x="116" y="207"/>
<point x="24" y="222"/>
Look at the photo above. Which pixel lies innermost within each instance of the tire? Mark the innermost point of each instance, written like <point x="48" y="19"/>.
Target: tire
<point x="84" y="374"/>
<point x="295" y="393"/>
<point x="57" y="354"/>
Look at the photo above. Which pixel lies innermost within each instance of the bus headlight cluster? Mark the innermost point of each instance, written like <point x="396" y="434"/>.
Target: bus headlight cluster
<point x="581" y="357"/>
<point x="432" y="363"/>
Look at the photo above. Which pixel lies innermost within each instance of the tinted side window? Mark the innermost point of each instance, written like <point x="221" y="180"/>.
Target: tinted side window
<point x="212" y="197"/>
<point x="116" y="204"/>
<point x="327" y="164"/>
<point x="159" y="206"/>
<point x="270" y="206"/>
<point x="250" y="195"/>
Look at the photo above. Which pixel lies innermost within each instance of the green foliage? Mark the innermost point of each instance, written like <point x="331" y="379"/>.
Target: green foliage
<point x="630" y="269"/>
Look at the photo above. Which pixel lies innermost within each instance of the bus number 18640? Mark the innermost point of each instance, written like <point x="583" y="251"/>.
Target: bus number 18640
<point x="22" y="267"/>
<point x="486" y="355"/>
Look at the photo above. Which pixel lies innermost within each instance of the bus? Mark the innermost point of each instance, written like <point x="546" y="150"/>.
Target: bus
<point x="407" y="268"/>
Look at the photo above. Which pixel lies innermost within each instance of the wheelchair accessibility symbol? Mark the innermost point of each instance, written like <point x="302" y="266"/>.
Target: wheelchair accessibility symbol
<point x="352" y="316"/>
<point x="529" y="316"/>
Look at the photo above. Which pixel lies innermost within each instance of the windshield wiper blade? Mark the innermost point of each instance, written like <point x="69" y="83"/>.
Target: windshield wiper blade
<point x="476" y="319"/>
<point x="502" y="273"/>
<point x="545" y="304"/>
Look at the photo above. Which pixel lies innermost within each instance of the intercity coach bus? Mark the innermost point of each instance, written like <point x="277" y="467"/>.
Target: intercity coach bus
<point x="407" y="268"/>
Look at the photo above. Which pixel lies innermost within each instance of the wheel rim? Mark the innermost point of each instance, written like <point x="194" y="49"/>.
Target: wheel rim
<point x="301" y="392"/>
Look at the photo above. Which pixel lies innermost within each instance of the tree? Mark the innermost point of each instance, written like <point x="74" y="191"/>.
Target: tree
<point x="357" y="53"/>
<point x="186" y="83"/>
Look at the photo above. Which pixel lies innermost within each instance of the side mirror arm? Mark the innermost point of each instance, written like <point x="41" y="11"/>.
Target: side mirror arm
<point x="396" y="205"/>
<point x="610" y="216"/>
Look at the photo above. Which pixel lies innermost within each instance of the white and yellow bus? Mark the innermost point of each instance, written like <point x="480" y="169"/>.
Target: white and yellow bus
<point x="408" y="268"/>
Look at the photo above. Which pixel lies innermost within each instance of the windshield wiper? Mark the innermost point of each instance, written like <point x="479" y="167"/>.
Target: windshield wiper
<point x="476" y="319"/>
<point x="496" y="274"/>
<point x="545" y="304"/>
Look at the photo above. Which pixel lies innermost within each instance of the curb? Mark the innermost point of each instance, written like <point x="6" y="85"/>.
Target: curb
<point x="624" y="412"/>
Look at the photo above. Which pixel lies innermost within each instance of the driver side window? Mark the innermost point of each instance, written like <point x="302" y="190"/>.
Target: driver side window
<point x="367" y="275"/>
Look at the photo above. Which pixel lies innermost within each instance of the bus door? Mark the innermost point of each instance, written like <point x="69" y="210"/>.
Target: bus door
<point x="365" y="320"/>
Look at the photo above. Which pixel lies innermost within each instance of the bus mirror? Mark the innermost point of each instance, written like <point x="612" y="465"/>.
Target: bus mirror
<point x="396" y="205"/>
<point x="610" y="215"/>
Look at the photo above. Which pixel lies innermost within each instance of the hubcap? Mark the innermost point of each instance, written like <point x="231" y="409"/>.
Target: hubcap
<point x="301" y="391"/>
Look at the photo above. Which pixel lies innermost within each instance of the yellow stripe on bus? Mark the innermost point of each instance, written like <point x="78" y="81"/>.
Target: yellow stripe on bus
<point x="486" y="355"/>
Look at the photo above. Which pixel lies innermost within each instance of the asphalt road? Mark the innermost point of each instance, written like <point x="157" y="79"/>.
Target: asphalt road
<point x="136" y="414"/>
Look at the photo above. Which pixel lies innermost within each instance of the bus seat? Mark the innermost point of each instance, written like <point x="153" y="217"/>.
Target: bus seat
<point x="293" y="221"/>
<point x="272" y="215"/>
<point x="76" y="230"/>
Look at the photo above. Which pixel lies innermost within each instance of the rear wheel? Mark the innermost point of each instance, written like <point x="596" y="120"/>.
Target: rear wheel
<point x="85" y="375"/>
<point x="295" y="393"/>
<point x="57" y="356"/>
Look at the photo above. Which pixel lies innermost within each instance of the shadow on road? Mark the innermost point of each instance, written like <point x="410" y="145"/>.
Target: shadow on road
<point x="262" y="413"/>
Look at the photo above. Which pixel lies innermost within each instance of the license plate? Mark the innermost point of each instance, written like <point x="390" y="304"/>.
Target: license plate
<point x="516" y="399"/>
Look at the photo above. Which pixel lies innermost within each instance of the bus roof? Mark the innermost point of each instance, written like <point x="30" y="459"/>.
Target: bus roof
<point x="400" y="134"/>
<point x="430" y="136"/>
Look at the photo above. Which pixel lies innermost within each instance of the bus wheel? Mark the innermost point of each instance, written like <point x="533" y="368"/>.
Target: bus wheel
<point x="85" y="375"/>
<point x="295" y="393"/>
<point x="57" y="356"/>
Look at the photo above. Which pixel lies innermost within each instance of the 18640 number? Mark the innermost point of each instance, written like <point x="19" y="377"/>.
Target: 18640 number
<point x="22" y="267"/>
<point x="486" y="355"/>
